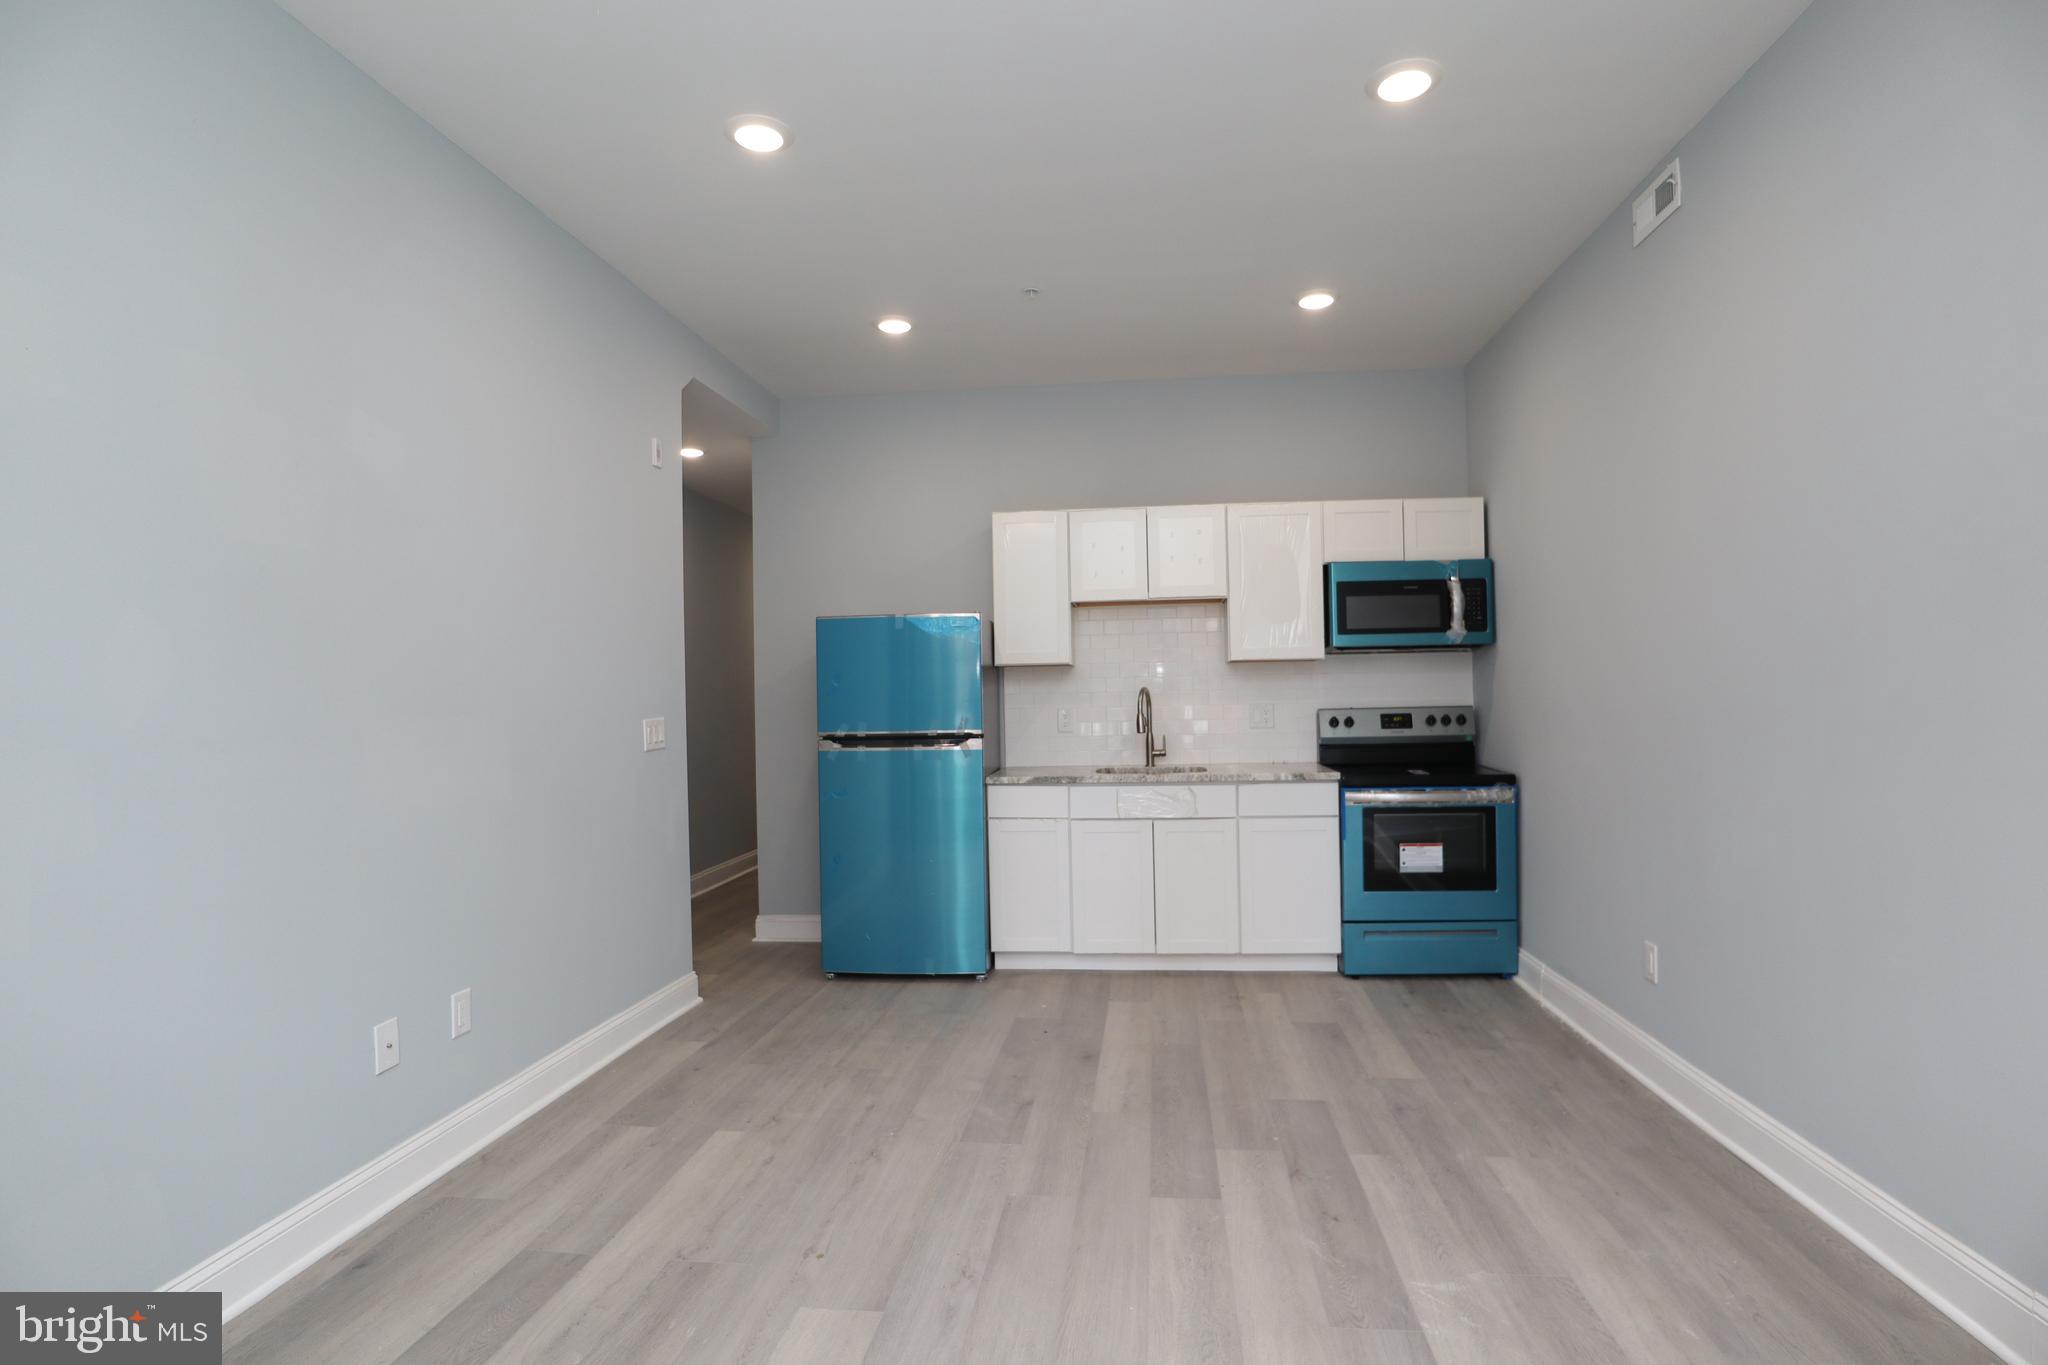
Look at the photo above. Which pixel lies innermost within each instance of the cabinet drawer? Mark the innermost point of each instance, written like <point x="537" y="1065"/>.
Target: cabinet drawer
<point x="1432" y="948"/>
<point x="1027" y="803"/>
<point x="1162" y="801"/>
<point x="1288" y="798"/>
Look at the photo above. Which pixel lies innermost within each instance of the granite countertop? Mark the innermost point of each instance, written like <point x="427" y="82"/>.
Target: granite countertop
<point x="1162" y="776"/>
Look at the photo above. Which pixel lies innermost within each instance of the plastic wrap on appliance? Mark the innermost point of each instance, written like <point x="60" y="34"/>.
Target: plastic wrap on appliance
<point x="1456" y="633"/>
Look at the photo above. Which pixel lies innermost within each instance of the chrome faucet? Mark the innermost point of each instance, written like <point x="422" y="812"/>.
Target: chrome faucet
<point x="1155" y="747"/>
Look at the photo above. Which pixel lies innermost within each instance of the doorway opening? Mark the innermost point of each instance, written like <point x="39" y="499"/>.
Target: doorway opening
<point x="718" y="636"/>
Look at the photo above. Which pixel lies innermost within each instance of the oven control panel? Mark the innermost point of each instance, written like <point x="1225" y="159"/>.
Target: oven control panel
<point x="1372" y="724"/>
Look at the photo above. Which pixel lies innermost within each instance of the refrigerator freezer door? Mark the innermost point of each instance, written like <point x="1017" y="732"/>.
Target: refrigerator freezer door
<point x="902" y="859"/>
<point x="882" y="675"/>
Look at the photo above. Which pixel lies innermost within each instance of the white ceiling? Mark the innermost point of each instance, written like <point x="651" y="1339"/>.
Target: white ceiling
<point x="1170" y="173"/>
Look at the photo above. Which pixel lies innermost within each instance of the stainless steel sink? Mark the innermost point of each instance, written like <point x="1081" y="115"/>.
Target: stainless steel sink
<point x="1138" y="769"/>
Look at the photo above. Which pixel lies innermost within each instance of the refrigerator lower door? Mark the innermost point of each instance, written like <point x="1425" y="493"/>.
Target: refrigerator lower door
<point x="902" y="852"/>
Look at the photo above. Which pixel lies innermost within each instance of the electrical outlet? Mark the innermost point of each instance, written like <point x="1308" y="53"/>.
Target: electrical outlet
<point x="1650" y="962"/>
<point x="458" y="1013"/>
<point x="384" y="1038"/>
<point x="1065" y="721"/>
<point x="1262" y="715"/>
<point x="657" y="452"/>
<point x="653" y="734"/>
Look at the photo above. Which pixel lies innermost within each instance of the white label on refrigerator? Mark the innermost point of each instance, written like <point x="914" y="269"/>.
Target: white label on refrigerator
<point x="1422" y="857"/>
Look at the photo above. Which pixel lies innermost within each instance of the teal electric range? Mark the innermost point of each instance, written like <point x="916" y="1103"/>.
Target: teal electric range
<point x="1428" y="841"/>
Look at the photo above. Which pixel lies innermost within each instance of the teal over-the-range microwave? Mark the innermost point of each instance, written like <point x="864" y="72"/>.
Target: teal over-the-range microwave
<point x="1409" y="604"/>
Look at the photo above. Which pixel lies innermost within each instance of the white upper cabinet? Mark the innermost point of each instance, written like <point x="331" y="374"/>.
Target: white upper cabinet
<point x="1355" y="531"/>
<point x="1276" y="580"/>
<point x="1106" y="554"/>
<point x="1034" y="617"/>
<point x="1194" y="885"/>
<point x="1444" y="528"/>
<point x="1185" y="545"/>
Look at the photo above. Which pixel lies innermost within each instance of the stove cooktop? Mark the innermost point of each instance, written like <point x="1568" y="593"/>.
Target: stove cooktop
<point x="1388" y="776"/>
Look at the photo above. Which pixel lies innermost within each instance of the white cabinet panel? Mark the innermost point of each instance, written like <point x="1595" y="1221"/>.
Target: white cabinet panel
<point x="1106" y="554"/>
<point x="1355" y="531"/>
<point x="1034" y="617"/>
<point x="1112" y="881"/>
<point x="1185" y="547"/>
<point x="1037" y="803"/>
<point x="1285" y="798"/>
<point x="1444" y="528"/>
<point x="1289" y="884"/>
<point x="1029" y="910"/>
<point x="1276" y="580"/>
<point x="1194" y="872"/>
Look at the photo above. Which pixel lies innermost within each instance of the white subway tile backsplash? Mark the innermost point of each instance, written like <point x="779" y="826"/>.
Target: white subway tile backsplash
<point x="1202" y="703"/>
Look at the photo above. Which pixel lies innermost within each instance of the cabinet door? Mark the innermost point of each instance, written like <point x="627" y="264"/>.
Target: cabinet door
<point x="1356" y="531"/>
<point x="1276" y="580"/>
<point x="1444" y="528"/>
<point x="1194" y="885"/>
<point x="1028" y="893"/>
<point x="1185" y="545"/>
<point x="1107" y="554"/>
<point x="1034" y="618"/>
<point x="1289" y="885"/>
<point x="1112" y="878"/>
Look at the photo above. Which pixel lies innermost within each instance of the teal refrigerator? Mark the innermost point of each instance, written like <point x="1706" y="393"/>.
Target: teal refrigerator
<point x="902" y="829"/>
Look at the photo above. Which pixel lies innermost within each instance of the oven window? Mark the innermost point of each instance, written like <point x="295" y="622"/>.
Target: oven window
<point x="1430" y="850"/>
<point x="1393" y="608"/>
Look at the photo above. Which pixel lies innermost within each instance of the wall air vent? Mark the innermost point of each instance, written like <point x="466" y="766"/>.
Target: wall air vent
<point x="1657" y="203"/>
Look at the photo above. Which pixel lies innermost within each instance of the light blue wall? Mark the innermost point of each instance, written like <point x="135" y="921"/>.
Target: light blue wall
<point x="1768" y="496"/>
<point x="334" y="582"/>
<point x="881" y="504"/>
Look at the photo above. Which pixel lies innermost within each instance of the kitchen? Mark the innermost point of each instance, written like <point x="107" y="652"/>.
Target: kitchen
<point x="1134" y="861"/>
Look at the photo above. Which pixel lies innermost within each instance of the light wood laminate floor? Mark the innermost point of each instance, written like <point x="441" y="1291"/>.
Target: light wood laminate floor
<point x="1060" y="1167"/>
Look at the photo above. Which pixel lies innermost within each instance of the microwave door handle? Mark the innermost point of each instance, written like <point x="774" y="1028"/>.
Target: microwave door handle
<point x="1456" y="634"/>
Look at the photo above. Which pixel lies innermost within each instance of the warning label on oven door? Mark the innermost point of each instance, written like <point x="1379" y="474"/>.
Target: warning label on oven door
<point x="1422" y="857"/>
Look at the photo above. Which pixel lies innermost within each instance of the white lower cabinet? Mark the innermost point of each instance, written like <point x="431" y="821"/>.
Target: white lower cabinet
<point x="1030" y="906"/>
<point x="1227" y="873"/>
<point x="1289" y="885"/>
<point x="1194" y="885"/>
<point x="1112" y="878"/>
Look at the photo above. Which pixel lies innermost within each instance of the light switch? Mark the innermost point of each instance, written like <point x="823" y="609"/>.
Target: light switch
<point x="653" y="734"/>
<point x="458" y="1013"/>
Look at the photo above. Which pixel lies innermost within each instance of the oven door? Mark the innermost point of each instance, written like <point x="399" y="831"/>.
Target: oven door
<point x="1430" y="853"/>
<point x="1408" y="606"/>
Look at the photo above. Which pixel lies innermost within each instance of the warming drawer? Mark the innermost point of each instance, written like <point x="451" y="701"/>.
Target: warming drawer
<point x="1432" y="948"/>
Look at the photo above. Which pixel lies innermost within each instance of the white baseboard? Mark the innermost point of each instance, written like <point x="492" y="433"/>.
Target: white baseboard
<point x="259" y="1262"/>
<point x="718" y="874"/>
<point x="1985" y="1301"/>
<point x="1166" y="962"/>
<point x="786" y="929"/>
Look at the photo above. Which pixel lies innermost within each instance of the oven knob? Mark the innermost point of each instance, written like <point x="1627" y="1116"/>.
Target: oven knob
<point x="1350" y="721"/>
<point x="1430" y="720"/>
<point x="1461" y="720"/>
<point x="1447" y="720"/>
<point x="1333" y="722"/>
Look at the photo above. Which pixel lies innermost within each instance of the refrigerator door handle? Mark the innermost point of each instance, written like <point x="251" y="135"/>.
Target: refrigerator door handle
<point x="830" y="744"/>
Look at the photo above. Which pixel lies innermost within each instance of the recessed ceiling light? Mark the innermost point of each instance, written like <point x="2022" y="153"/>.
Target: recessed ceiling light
<point x="1403" y="81"/>
<point x="895" y="327"/>
<point x="691" y="453"/>
<point x="1317" y="300"/>
<point x="758" y="132"/>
